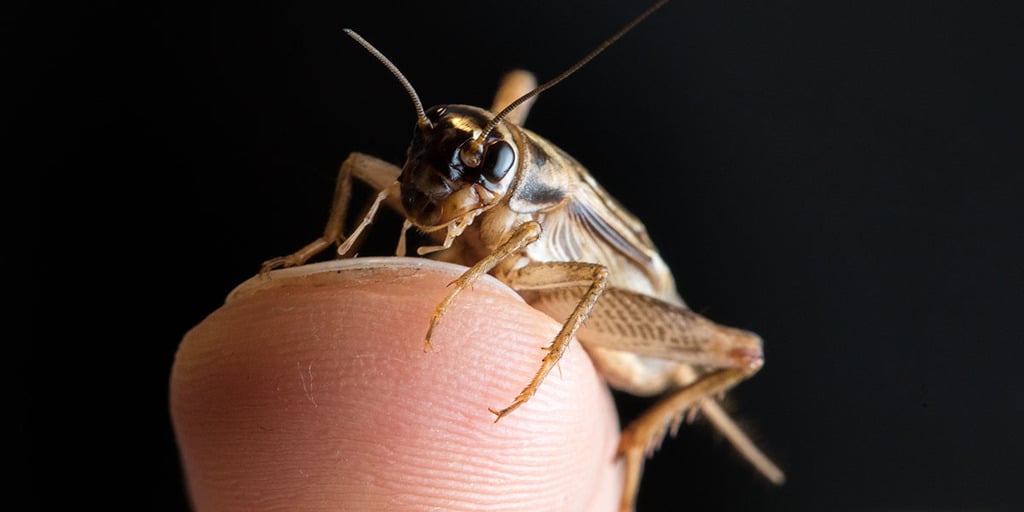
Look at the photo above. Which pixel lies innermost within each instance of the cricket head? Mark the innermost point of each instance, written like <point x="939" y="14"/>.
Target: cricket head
<point x="458" y="164"/>
<point x="453" y="170"/>
<point x="462" y="159"/>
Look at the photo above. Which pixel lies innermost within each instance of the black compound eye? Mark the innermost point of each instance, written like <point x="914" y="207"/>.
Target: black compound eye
<point x="435" y="113"/>
<point x="497" y="161"/>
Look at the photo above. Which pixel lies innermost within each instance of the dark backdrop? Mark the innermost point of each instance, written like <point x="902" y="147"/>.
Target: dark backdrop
<point x="842" y="178"/>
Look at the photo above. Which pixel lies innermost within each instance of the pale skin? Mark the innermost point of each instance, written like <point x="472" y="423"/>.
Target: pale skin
<point x="321" y="398"/>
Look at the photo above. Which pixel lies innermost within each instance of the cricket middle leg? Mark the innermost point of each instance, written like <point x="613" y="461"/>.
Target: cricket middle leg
<point x="557" y="275"/>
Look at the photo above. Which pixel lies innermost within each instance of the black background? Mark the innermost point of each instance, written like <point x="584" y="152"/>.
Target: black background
<point x="843" y="178"/>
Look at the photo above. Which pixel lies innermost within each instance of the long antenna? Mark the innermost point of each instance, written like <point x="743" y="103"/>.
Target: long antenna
<point x="475" y="149"/>
<point x="420" y="114"/>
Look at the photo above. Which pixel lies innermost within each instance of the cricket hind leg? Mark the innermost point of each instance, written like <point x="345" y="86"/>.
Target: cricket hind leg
<point x="379" y="175"/>
<point x="714" y="412"/>
<point x="725" y="425"/>
<point x="644" y="435"/>
<point x="644" y="345"/>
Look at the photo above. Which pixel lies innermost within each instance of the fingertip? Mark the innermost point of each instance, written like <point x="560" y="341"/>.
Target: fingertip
<point x="312" y="390"/>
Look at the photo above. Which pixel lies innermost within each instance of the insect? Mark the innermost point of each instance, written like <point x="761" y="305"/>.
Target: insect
<point x="500" y="199"/>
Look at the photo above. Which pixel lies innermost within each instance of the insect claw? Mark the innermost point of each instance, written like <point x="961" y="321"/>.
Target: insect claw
<point x="506" y="411"/>
<point x="275" y="263"/>
<point x="498" y="415"/>
<point x="265" y="271"/>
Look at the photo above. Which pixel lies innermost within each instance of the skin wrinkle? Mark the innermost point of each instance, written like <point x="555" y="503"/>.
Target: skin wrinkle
<point x="470" y="328"/>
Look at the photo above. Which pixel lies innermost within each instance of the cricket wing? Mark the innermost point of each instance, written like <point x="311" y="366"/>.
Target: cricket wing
<point x="597" y="212"/>
<point x="633" y="322"/>
<point x="592" y="227"/>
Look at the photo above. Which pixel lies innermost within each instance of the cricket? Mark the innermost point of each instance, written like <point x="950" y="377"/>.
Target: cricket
<point x="500" y="199"/>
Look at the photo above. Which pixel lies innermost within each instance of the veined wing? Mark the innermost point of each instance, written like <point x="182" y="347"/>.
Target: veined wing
<point x="591" y="226"/>
<point x="633" y="322"/>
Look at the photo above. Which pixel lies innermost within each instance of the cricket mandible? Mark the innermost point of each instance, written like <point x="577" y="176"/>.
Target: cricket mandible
<point x="500" y="199"/>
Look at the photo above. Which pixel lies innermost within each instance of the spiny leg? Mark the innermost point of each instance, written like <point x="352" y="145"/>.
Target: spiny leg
<point x="625" y="325"/>
<point x="376" y="173"/>
<point x="743" y="444"/>
<point x="345" y="247"/>
<point x="644" y="435"/>
<point x="557" y="274"/>
<point x="523" y="235"/>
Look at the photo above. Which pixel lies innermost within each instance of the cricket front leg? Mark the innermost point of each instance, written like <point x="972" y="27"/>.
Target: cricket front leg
<point x="523" y="236"/>
<point x="379" y="175"/>
<point x="592" y="276"/>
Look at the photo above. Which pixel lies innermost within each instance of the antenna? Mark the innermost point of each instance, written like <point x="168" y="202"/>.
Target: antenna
<point x="472" y="152"/>
<point x="420" y="114"/>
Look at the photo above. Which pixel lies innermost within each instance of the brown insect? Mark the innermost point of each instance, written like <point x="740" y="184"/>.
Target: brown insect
<point x="503" y="200"/>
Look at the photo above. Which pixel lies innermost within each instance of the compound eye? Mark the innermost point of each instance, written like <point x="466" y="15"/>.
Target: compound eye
<point x="436" y="112"/>
<point x="498" y="160"/>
